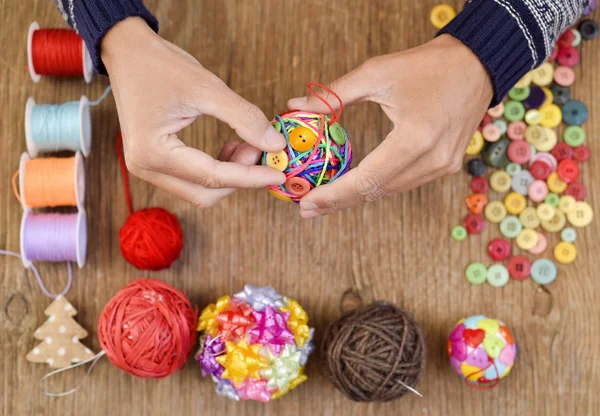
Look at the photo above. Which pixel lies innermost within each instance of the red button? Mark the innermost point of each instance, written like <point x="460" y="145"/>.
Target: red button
<point x="499" y="249"/>
<point x="581" y="153"/>
<point x="568" y="56"/>
<point x="519" y="151"/>
<point x="519" y="267"/>
<point x="554" y="54"/>
<point x="485" y="121"/>
<point x="479" y="185"/>
<point x="577" y="190"/>
<point x="562" y="151"/>
<point x="566" y="39"/>
<point x="297" y="186"/>
<point x="474" y="223"/>
<point x="516" y="130"/>
<point x="540" y="170"/>
<point x="568" y="170"/>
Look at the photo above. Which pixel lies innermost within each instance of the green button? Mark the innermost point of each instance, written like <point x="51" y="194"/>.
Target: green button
<point x="337" y="133"/>
<point x="459" y="233"/>
<point x="277" y="126"/>
<point x="577" y="39"/>
<point x="511" y="227"/>
<point x="494" y="154"/>
<point x="476" y="273"/>
<point x="543" y="271"/>
<point x="514" y="111"/>
<point x="574" y="136"/>
<point x="552" y="199"/>
<point x="497" y="275"/>
<point x="519" y="94"/>
<point x="513" y="168"/>
<point x="568" y="235"/>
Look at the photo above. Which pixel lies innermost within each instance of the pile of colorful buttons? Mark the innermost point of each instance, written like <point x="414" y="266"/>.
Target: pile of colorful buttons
<point x="536" y="174"/>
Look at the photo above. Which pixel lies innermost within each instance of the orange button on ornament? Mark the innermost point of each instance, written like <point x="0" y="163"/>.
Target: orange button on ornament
<point x="297" y="186"/>
<point x="302" y="139"/>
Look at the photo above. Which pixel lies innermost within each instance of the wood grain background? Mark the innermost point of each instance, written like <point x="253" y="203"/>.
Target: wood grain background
<point x="397" y="250"/>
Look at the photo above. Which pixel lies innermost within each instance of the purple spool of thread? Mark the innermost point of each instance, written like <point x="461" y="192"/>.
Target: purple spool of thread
<point x="54" y="237"/>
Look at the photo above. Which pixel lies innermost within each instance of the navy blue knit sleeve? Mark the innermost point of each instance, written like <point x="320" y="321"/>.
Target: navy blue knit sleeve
<point x="93" y="18"/>
<point x="511" y="37"/>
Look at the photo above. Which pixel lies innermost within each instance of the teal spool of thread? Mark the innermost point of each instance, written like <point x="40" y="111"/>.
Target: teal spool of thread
<point x="58" y="127"/>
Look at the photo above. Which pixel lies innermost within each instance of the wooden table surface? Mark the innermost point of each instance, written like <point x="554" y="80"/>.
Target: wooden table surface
<point x="397" y="249"/>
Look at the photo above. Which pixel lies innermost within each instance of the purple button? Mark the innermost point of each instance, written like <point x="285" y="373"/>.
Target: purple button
<point x="536" y="98"/>
<point x="591" y="7"/>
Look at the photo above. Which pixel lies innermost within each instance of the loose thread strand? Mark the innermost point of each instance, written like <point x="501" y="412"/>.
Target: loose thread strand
<point x="124" y="172"/>
<point x="93" y="359"/>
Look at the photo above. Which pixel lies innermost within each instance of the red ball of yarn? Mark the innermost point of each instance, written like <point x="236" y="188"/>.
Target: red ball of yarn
<point x="148" y="329"/>
<point x="151" y="239"/>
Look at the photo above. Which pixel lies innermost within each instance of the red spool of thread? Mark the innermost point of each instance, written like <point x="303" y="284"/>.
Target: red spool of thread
<point x="57" y="52"/>
<point x="148" y="329"/>
<point x="150" y="239"/>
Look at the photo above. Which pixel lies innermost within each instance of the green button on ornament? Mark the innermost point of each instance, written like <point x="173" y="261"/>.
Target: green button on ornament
<point x="337" y="134"/>
<point x="476" y="273"/>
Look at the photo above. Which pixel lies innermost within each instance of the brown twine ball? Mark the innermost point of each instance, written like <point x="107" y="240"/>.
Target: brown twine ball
<point x="368" y="350"/>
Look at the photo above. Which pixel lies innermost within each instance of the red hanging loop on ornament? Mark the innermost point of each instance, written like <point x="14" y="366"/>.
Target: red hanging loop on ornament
<point x="334" y="116"/>
<point x="151" y="238"/>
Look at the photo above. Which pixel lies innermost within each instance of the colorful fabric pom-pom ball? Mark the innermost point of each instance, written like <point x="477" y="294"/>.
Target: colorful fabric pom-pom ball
<point x="318" y="152"/>
<point x="255" y="344"/>
<point x="482" y="350"/>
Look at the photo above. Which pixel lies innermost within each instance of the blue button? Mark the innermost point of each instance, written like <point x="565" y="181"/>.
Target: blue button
<point x="543" y="271"/>
<point x="575" y="113"/>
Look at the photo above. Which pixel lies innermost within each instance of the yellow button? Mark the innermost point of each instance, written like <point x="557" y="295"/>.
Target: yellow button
<point x="278" y="160"/>
<point x="535" y="135"/>
<point x="543" y="75"/>
<point x="556" y="184"/>
<point x="551" y="115"/>
<point x="441" y="15"/>
<point x="500" y="181"/>
<point x="545" y="211"/>
<point x="279" y="196"/>
<point x="529" y="218"/>
<point x="476" y="144"/>
<point x="555" y="224"/>
<point x="302" y="139"/>
<point x="566" y="203"/>
<point x="549" y="96"/>
<point x="533" y="117"/>
<point x="581" y="214"/>
<point x="495" y="212"/>
<point x="548" y="142"/>
<point x="565" y="252"/>
<point x="525" y="81"/>
<point x="515" y="203"/>
<point x="527" y="239"/>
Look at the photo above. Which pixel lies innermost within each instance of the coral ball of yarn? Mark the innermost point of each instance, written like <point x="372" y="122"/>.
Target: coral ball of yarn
<point x="317" y="153"/>
<point x="148" y="329"/>
<point x="151" y="239"/>
<point x="371" y="351"/>
<point x="254" y="344"/>
<point x="482" y="350"/>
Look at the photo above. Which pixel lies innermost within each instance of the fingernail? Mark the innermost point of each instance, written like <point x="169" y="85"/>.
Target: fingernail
<point x="308" y="214"/>
<point x="297" y="102"/>
<point x="308" y="206"/>
<point x="274" y="138"/>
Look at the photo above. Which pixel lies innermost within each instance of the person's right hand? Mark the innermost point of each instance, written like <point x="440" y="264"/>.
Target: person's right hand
<point x="159" y="89"/>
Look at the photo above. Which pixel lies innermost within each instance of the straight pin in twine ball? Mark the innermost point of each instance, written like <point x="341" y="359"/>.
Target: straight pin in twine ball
<point x="374" y="353"/>
<point x="318" y="150"/>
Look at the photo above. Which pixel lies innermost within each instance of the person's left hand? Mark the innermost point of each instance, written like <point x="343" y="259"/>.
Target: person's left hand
<point x="435" y="94"/>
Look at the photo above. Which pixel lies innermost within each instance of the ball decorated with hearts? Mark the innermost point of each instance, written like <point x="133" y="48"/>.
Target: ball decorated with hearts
<point x="254" y="344"/>
<point x="482" y="350"/>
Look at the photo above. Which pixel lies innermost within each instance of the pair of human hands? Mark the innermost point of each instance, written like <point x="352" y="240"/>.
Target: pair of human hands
<point x="435" y="95"/>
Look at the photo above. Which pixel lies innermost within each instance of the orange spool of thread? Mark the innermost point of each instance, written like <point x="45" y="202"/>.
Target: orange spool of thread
<point x="52" y="182"/>
<point x="57" y="52"/>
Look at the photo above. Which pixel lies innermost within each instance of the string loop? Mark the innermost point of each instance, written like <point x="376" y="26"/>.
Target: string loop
<point x="334" y="116"/>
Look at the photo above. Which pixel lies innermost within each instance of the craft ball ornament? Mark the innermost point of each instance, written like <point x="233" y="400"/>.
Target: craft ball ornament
<point x="255" y="344"/>
<point x="318" y="150"/>
<point x="375" y="353"/>
<point x="482" y="351"/>
<point x="151" y="238"/>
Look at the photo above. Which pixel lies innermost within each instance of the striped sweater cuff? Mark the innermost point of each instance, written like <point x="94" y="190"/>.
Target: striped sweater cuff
<point x="93" y="19"/>
<point x="493" y="33"/>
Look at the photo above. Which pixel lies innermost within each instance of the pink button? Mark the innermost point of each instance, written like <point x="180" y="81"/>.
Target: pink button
<point x="547" y="158"/>
<point x="491" y="133"/>
<point x="568" y="56"/>
<point x="519" y="151"/>
<point x="564" y="76"/>
<point x="496" y="112"/>
<point x="541" y="245"/>
<point x="581" y="153"/>
<point x="516" y="130"/>
<point x="538" y="190"/>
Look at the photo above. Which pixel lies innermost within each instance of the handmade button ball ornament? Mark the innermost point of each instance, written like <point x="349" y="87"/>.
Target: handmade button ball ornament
<point x="482" y="351"/>
<point x="318" y="150"/>
<point x="255" y="344"/>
